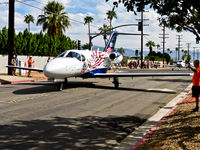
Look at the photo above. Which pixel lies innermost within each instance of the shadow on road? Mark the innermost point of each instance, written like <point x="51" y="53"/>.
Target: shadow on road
<point x="52" y="87"/>
<point x="91" y="133"/>
<point x="173" y="80"/>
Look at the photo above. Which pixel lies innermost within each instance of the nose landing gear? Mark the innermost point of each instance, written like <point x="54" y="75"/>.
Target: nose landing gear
<point x="62" y="84"/>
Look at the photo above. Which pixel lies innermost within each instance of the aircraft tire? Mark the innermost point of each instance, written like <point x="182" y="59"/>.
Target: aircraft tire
<point x="60" y="86"/>
<point x="116" y="85"/>
<point x="116" y="82"/>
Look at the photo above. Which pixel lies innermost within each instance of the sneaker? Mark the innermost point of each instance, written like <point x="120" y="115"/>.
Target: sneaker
<point x="195" y="109"/>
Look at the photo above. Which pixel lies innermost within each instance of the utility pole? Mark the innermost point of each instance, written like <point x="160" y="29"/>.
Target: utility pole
<point x="179" y="45"/>
<point x="11" y="33"/>
<point x="163" y="42"/>
<point x="188" y="45"/>
<point x="140" y="28"/>
<point x="142" y="39"/>
<point x="194" y="52"/>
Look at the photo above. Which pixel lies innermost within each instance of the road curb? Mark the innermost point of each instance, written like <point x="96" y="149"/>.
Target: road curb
<point x="21" y="81"/>
<point x="140" y="134"/>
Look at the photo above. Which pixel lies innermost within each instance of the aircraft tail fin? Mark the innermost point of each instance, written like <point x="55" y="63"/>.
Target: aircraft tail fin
<point x="111" y="42"/>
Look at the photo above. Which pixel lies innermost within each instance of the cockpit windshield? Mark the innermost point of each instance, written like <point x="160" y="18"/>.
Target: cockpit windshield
<point x="62" y="54"/>
<point x="74" y="55"/>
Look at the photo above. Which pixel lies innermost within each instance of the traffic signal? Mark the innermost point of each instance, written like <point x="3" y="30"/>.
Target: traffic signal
<point x="197" y="40"/>
<point x="136" y="52"/>
<point x="79" y="44"/>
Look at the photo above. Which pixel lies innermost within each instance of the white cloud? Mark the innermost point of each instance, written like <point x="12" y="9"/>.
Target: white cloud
<point x="77" y="10"/>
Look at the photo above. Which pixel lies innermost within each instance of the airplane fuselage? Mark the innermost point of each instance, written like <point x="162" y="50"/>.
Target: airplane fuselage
<point x="83" y="63"/>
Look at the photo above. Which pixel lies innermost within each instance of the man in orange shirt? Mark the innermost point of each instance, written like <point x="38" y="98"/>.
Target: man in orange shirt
<point x="30" y="63"/>
<point x="196" y="84"/>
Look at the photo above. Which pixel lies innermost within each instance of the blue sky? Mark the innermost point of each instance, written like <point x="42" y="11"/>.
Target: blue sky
<point x="78" y="9"/>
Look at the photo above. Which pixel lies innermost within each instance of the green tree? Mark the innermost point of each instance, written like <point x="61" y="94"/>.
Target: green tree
<point x="28" y="19"/>
<point x="175" y="14"/>
<point x="39" y="44"/>
<point x="110" y="15"/>
<point x="169" y="50"/>
<point x="105" y="30"/>
<point x="54" y="19"/>
<point x="150" y="44"/>
<point x="4" y="41"/>
<point x="158" y="46"/>
<point x="86" y="46"/>
<point x="121" y="50"/>
<point x="88" y="20"/>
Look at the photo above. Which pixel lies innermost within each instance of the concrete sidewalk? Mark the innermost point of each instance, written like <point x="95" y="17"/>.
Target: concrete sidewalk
<point x="178" y="130"/>
<point x="9" y="79"/>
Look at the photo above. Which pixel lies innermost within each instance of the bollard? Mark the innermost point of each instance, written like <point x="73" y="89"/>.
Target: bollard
<point x="21" y="71"/>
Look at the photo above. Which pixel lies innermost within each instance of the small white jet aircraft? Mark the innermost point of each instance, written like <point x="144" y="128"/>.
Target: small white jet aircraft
<point x="89" y="64"/>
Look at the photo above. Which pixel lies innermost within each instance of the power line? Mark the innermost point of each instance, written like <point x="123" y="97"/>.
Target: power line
<point x="29" y="5"/>
<point x="51" y="12"/>
<point x="4" y="3"/>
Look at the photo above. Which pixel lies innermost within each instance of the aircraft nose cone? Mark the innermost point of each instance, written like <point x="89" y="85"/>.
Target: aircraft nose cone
<point x="54" y="67"/>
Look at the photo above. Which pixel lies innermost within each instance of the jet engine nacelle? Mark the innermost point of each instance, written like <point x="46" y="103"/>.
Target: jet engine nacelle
<point x="115" y="57"/>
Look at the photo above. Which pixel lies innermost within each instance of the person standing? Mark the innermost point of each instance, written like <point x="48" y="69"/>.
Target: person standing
<point x="16" y="60"/>
<point x="30" y="65"/>
<point x="48" y="60"/>
<point x="13" y="62"/>
<point x="196" y="83"/>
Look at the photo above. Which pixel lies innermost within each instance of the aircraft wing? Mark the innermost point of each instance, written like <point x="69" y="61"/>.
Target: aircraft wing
<point x="26" y="68"/>
<point x="103" y="75"/>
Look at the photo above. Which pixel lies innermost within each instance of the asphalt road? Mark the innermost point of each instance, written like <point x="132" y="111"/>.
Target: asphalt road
<point x="88" y="114"/>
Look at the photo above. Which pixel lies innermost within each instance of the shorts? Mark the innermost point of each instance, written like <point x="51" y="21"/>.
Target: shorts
<point x="195" y="91"/>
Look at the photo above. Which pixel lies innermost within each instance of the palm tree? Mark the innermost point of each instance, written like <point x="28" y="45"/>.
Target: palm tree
<point x="150" y="44"/>
<point x="105" y="29"/>
<point x="158" y="46"/>
<point x="121" y="51"/>
<point x="88" y="20"/>
<point x="28" y="19"/>
<point x="54" y="19"/>
<point x="110" y="15"/>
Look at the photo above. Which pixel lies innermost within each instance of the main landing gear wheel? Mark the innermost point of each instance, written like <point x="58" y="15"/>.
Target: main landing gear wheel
<point x="116" y="82"/>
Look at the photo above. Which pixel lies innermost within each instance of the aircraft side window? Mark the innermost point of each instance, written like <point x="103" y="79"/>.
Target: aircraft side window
<point x="78" y="56"/>
<point x="69" y="54"/>
<point x="83" y="57"/>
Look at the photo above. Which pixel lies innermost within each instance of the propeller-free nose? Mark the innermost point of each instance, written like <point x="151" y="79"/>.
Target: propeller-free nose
<point x="55" y="67"/>
<point x="60" y="67"/>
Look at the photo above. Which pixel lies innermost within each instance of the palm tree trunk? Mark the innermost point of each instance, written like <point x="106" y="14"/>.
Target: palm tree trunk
<point x="151" y="50"/>
<point x="89" y="35"/>
<point x="29" y="27"/>
<point x="111" y="24"/>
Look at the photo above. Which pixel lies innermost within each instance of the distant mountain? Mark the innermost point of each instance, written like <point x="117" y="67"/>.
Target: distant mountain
<point x="131" y="53"/>
<point x="94" y="47"/>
